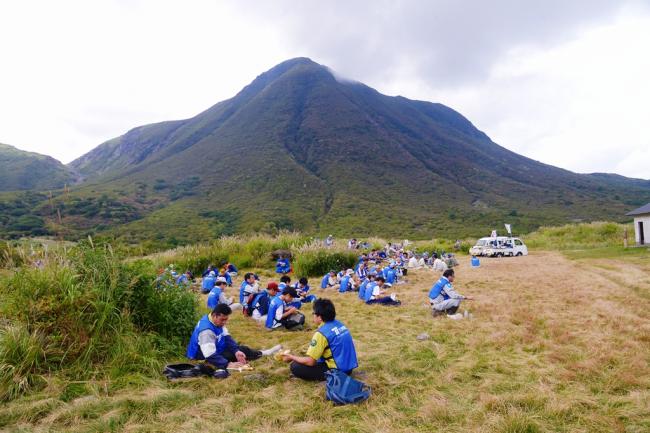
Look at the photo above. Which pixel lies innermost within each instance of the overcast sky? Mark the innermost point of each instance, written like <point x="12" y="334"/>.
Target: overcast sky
<point x="563" y="82"/>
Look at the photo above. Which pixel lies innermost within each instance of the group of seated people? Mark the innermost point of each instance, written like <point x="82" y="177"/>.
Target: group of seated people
<point x="331" y="346"/>
<point x="278" y="307"/>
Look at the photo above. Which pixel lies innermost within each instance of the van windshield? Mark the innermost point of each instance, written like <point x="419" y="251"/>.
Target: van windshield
<point x="481" y="243"/>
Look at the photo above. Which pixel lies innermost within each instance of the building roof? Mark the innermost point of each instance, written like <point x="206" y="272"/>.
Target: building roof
<point x="640" y="211"/>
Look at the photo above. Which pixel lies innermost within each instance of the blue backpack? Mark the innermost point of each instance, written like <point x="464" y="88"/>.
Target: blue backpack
<point x="342" y="389"/>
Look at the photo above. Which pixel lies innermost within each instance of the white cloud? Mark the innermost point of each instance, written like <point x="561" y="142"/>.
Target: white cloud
<point x="561" y="82"/>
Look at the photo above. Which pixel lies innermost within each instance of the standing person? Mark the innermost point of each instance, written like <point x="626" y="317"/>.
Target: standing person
<point x="331" y="346"/>
<point x="281" y="314"/>
<point x="443" y="297"/>
<point x="329" y="241"/>
<point x="211" y="342"/>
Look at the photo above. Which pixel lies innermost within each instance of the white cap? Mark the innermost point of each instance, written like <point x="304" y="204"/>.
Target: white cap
<point x="349" y="272"/>
<point x="221" y="280"/>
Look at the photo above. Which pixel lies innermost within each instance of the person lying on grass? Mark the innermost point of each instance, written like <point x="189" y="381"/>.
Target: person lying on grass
<point x="376" y="294"/>
<point x="443" y="297"/>
<point x="283" y="316"/>
<point x="331" y="346"/>
<point x="210" y="342"/>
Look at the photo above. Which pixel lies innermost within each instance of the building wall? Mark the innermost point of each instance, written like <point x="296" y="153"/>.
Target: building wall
<point x="646" y="228"/>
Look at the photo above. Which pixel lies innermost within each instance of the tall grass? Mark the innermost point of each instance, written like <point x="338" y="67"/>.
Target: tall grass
<point x="84" y="312"/>
<point x="580" y="236"/>
<point x="314" y="261"/>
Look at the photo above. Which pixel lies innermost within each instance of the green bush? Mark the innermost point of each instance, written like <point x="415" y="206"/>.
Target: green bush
<point x="312" y="262"/>
<point x="85" y="312"/>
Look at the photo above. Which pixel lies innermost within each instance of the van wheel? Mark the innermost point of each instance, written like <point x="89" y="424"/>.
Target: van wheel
<point x="511" y="255"/>
<point x="520" y="253"/>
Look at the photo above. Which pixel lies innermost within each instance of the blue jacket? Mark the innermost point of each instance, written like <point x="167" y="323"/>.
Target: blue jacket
<point x="341" y="344"/>
<point x="213" y="297"/>
<point x="223" y="342"/>
<point x="208" y="283"/>
<point x="283" y="266"/>
<point x="275" y="304"/>
<point x="324" y="283"/>
<point x="261" y="302"/>
<point x="362" y="288"/>
<point x="437" y="288"/>
<point x="345" y="284"/>
<point x="368" y="293"/>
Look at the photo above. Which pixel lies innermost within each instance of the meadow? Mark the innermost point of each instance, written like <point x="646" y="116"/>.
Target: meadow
<point x="559" y="341"/>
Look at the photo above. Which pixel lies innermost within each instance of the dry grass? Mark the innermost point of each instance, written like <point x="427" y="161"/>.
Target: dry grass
<point x="555" y="345"/>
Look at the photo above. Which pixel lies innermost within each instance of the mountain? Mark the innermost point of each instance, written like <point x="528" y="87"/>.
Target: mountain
<point x="300" y="148"/>
<point x="20" y="170"/>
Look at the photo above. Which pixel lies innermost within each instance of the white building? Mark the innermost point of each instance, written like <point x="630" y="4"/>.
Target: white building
<point x="641" y="224"/>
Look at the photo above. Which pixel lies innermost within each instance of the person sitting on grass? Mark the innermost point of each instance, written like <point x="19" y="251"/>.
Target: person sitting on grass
<point x="223" y="273"/>
<point x="365" y="284"/>
<point x="329" y="281"/>
<point x="283" y="316"/>
<point x="331" y="346"/>
<point x="283" y="266"/>
<point x="208" y="282"/>
<point x="211" y="342"/>
<point x="209" y="269"/>
<point x="261" y="302"/>
<point x="345" y="284"/>
<point x="248" y="289"/>
<point x="302" y="288"/>
<point x="375" y="294"/>
<point x="285" y="280"/>
<point x="218" y="296"/>
<point x="443" y="297"/>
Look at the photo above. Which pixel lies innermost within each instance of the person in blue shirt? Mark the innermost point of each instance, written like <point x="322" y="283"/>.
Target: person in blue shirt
<point x="281" y="315"/>
<point x="375" y="294"/>
<point x="209" y="269"/>
<point x="283" y="266"/>
<point x="302" y="289"/>
<point x="365" y="284"/>
<point x="329" y="281"/>
<point x="208" y="282"/>
<point x="331" y="346"/>
<point x="217" y="295"/>
<point x="285" y="280"/>
<point x="443" y="297"/>
<point x="211" y="342"/>
<point x="247" y="290"/>
<point x="261" y="302"/>
<point x="390" y="275"/>
<point x="346" y="283"/>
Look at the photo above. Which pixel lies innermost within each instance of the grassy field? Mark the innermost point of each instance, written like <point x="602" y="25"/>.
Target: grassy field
<point x="555" y="345"/>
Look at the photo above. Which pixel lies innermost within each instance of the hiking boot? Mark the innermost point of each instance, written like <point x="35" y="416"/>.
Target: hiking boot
<point x="437" y="313"/>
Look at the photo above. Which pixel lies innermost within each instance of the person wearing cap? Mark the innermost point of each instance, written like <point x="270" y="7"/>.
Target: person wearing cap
<point x="218" y="296"/>
<point x="281" y="315"/>
<point x="260" y="304"/>
<point x="443" y="298"/>
<point x="375" y="294"/>
<point x="208" y="282"/>
<point x="331" y="346"/>
<point x="211" y="342"/>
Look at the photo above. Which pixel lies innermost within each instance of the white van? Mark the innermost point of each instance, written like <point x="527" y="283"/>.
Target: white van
<point x="510" y="247"/>
<point x="484" y="243"/>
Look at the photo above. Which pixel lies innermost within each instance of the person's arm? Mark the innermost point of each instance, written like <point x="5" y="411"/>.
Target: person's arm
<point x="288" y="312"/>
<point x="317" y="346"/>
<point x="207" y="343"/>
<point x="453" y="294"/>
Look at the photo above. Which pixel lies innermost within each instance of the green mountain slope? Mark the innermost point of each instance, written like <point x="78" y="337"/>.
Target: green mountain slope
<point x="20" y="170"/>
<point x="300" y="149"/>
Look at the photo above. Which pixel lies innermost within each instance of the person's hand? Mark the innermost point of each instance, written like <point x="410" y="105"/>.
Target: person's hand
<point x="469" y="298"/>
<point x="241" y="357"/>
<point x="236" y="364"/>
<point x="287" y="358"/>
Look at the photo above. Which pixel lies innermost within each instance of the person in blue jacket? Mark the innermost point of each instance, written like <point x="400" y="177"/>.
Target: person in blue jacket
<point x="208" y="282"/>
<point x="346" y="284"/>
<point x="211" y="342"/>
<point x="283" y="316"/>
<point x="283" y="266"/>
<point x="329" y="281"/>
<point x="302" y="289"/>
<point x="261" y="302"/>
<point x="443" y="298"/>
<point x="366" y="283"/>
<point x="331" y="346"/>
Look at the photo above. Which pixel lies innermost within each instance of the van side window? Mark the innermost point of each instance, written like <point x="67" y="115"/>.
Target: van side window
<point x="518" y="242"/>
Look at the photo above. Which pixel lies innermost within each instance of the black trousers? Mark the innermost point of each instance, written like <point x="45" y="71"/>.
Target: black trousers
<point x="302" y="371"/>
<point x="251" y="354"/>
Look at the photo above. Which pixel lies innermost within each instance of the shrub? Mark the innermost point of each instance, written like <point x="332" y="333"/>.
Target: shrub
<point x="311" y="262"/>
<point x="22" y="359"/>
